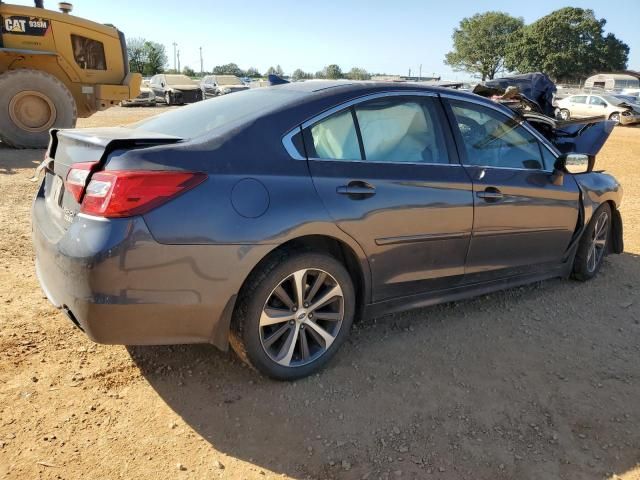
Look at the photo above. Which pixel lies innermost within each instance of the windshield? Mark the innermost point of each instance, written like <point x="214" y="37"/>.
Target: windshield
<point x="200" y="118"/>
<point x="179" y="80"/>
<point x="228" y="80"/>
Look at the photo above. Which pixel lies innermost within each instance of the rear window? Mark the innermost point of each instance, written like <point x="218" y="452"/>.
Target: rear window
<point x="203" y="117"/>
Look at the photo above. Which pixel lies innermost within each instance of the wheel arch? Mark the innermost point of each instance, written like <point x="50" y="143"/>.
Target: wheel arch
<point x="349" y="253"/>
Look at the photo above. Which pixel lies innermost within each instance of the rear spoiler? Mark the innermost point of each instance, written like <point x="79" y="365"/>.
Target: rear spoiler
<point x="108" y="138"/>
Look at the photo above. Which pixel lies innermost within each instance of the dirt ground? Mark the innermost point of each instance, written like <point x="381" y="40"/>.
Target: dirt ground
<point x="540" y="382"/>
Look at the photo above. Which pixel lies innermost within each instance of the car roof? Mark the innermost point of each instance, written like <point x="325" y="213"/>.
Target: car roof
<point x="303" y="91"/>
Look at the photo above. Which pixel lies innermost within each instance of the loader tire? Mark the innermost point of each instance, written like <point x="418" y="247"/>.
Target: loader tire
<point x="31" y="103"/>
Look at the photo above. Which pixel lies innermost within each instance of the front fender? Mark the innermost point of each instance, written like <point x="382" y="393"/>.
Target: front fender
<point x="596" y="189"/>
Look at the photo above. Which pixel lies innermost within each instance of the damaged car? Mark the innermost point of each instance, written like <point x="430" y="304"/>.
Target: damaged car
<point x="216" y="85"/>
<point x="147" y="98"/>
<point x="269" y="220"/>
<point x="616" y="109"/>
<point x="175" y="89"/>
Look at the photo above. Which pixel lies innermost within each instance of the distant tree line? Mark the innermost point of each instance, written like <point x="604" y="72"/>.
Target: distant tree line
<point x="150" y="58"/>
<point x="568" y="44"/>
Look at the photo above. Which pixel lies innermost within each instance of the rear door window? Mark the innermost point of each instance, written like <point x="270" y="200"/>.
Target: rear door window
<point x="579" y="99"/>
<point x="393" y="129"/>
<point x="335" y="138"/>
<point x="400" y="130"/>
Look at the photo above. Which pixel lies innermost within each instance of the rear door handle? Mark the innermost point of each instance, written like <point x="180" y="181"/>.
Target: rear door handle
<point x="490" y="194"/>
<point x="356" y="187"/>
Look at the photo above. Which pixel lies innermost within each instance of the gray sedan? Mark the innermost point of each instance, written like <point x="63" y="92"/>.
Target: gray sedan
<point x="270" y="219"/>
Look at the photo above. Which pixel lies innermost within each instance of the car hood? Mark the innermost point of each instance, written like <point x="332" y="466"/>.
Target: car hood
<point x="586" y="135"/>
<point x="630" y="106"/>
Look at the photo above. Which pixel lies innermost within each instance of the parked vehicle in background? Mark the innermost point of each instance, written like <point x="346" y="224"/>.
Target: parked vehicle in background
<point x="608" y="106"/>
<point x="175" y="89"/>
<point x="146" y="98"/>
<point x="612" y="82"/>
<point x="216" y="85"/>
<point x="268" y="218"/>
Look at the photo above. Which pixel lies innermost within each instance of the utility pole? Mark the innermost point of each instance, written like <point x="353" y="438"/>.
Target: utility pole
<point x="201" y="67"/>
<point x="420" y="74"/>
<point x="409" y="73"/>
<point x="174" y="55"/>
<point x="179" y="70"/>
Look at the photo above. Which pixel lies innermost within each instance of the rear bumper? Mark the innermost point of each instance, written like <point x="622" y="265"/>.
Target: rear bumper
<point x="122" y="287"/>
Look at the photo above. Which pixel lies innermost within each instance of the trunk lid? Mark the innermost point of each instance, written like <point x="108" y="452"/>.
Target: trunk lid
<point x="69" y="147"/>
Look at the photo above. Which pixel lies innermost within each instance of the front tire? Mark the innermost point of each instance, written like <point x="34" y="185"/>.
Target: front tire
<point x="615" y="117"/>
<point x="31" y="103"/>
<point x="593" y="245"/>
<point x="293" y="314"/>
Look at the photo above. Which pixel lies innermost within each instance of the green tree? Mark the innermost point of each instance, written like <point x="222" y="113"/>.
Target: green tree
<point x="358" y="74"/>
<point x="252" y="72"/>
<point x="146" y="57"/>
<point x="137" y="54"/>
<point x="300" y="74"/>
<point x="567" y="44"/>
<point x="188" y="71"/>
<point x="228" y="69"/>
<point x="332" y="72"/>
<point x="275" y="71"/>
<point x="156" y="58"/>
<point x="480" y="43"/>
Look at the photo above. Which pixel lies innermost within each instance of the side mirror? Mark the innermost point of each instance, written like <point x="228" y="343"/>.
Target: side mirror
<point x="162" y="84"/>
<point x="574" y="163"/>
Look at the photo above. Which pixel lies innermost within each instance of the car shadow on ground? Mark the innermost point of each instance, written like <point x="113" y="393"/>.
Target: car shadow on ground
<point x="533" y="382"/>
<point x="12" y="160"/>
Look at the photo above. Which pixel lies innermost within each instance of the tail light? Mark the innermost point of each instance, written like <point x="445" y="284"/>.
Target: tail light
<point x="77" y="178"/>
<point x="127" y="193"/>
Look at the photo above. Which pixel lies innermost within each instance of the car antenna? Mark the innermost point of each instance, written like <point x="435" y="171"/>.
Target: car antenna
<point x="276" y="80"/>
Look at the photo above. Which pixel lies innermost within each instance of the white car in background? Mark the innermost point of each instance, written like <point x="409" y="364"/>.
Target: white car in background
<point x="601" y="105"/>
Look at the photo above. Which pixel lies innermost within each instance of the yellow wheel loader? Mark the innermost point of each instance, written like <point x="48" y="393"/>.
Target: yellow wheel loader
<point x="54" y="68"/>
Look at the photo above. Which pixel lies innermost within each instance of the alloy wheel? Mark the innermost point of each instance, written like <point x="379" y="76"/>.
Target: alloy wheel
<point x="598" y="242"/>
<point x="301" y="318"/>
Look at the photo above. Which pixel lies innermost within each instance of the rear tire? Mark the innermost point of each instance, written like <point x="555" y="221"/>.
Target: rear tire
<point x="31" y="103"/>
<point x="615" y="117"/>
<point x="593" y="245"/>
<point x="278" y="337"/>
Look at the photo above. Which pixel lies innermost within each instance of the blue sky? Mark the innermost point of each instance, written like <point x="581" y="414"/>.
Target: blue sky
<point x="380" y="36"/>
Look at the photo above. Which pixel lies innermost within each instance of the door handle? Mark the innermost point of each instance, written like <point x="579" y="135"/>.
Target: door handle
<point x="490" y="194"/>
<point x="358" y="188"/>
